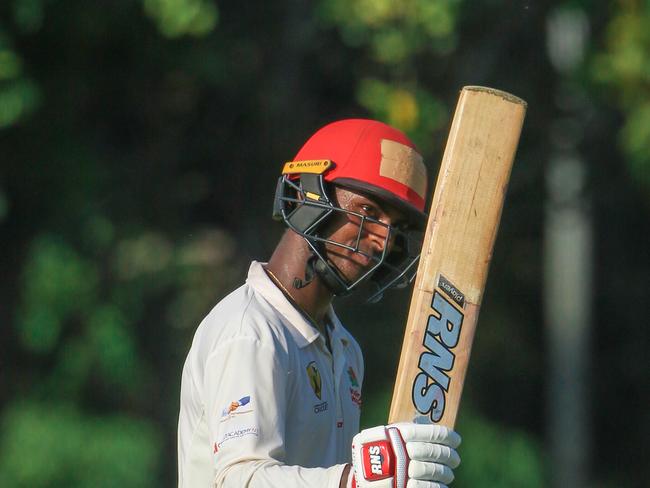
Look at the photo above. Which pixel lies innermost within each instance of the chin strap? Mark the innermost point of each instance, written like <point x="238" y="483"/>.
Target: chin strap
<point x="309" y="274"/>
<point x="329" y="276"/>
<point x="316" y="266"/>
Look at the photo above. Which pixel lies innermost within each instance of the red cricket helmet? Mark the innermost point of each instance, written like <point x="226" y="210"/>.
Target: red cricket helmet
<point x="372" y="157"/>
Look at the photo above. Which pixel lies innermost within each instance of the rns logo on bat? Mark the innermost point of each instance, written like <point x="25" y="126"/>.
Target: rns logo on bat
<point x="443" y="330"/>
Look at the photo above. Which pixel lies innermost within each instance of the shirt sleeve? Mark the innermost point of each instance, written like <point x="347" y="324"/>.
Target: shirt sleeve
<point x="246" y="385"/>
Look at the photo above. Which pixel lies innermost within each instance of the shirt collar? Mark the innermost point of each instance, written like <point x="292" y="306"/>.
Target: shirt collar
<point x="302" y="331"/>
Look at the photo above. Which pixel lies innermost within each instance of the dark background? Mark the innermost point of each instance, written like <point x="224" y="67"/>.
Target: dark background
<point x="140" y="142"/>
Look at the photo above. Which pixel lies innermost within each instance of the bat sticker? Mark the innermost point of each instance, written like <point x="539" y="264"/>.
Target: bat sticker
<point x="441" y="336"/>
<point x="451" y="291"/>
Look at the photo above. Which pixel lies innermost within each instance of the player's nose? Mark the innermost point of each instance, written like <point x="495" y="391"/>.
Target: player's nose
<point x="380" y="238"/>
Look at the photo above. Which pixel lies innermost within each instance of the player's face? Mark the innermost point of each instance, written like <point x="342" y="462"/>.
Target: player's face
<point x="345" y="230"/>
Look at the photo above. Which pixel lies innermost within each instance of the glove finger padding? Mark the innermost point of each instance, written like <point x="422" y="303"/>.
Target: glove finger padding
<point x="437" y="453"/>
<point x="430" y="472"/>
<point x="424" y="484"/>
<point x="435" y="434"/>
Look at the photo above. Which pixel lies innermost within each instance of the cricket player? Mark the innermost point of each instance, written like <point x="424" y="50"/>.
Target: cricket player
<point x="271" y="387"/>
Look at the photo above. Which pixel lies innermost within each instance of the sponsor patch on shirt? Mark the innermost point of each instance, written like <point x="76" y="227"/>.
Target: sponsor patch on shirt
<point x="236" y="407"/>
<point x="235" y="434"/>
<point x="355" y="391"/>
<point x="355" y="396"/>
<point x="353" y="377"/>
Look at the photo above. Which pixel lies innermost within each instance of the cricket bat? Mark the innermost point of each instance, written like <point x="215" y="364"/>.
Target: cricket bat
<point x="456" y="253"/>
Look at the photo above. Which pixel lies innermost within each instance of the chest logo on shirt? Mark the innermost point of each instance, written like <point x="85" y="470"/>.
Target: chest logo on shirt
<point x="314" y="379"/>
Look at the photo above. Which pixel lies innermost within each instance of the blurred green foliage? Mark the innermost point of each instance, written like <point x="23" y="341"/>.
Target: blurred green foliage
<point x="176" y="18"/>
<point x="19" y="94"/>
<point x="623" y="67"/>
<point x="138" y="149"/>
<point x="56" y="445"/>
<point x="395" y="35"/>
<point x="413" y="110"/>
<point x="28" y="14"/>
<point x="57" y="283"/>
<point x="498" y="456"/>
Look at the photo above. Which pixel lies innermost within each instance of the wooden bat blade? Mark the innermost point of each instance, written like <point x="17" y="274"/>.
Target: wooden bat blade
<point x="461" y="230"/>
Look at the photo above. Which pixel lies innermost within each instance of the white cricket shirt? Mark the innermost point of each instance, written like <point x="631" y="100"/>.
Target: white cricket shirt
<point x="263" y="401"/>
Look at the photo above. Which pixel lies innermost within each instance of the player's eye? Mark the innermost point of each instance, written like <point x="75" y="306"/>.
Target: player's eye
<point x="369" y="210"/>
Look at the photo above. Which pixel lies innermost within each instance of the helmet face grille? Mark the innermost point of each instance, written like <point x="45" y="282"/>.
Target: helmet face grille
<point x="305" y="207"/>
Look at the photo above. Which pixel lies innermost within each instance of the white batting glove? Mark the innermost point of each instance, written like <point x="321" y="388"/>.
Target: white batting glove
<point x="404" y="455"/>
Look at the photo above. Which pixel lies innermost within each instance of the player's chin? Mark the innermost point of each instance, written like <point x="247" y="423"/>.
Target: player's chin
<point x="354" y="266"/>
